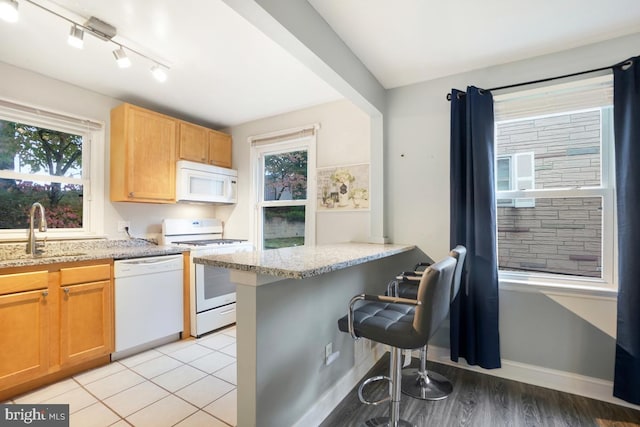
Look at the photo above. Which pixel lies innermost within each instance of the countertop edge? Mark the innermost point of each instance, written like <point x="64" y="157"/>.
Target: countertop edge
<point x="308" y="273"/>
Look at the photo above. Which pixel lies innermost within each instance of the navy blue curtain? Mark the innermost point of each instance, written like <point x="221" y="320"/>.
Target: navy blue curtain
<point x="474" y="312"/>
<point x="626" y="113"/>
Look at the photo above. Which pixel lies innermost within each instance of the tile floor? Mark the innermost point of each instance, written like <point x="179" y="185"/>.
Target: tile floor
<point x="182" y="384"/>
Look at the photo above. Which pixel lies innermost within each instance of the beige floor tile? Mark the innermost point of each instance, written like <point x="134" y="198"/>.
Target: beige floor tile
<point x="99" y="373"/>
<point x="163" y="413"/>
<point x="140" y="358"/>
<point x="135" y="398"/>
<point x="154" y="367"/>
<point x="96" y="415"/>
<point x="205" y="391"/>
<point x="201" y="419"/>
<point x="175" y="346"/>
<point x="77" y="399"/>
<point x="47" y="392"/>
<point x="178" y="378"/>
<point x="212" y="362"/>
<point x="228" y="373"/>
<point x="231" y="331"/>
<point x="113" y="384"/>
<point x="230" y="350"/>
<point x="217" y="341"/>
<point x="190" y="353"/>
<point x="121" y="423"/>
<point x="225" y="408"/>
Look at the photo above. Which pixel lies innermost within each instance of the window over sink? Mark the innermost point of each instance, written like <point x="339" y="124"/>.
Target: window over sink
<point x="46" y="157"/>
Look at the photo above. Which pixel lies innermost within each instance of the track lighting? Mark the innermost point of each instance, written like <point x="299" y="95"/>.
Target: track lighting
<point x="75" y="37"/>
<point x="159" y="73"/>
<point x="121" y="58"/>
<point x="9" y="10"/>
<point x="94" y="26"/>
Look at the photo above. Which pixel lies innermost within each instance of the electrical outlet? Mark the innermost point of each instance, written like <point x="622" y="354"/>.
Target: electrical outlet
<point x="122" y="225"/>
<point x="328" y="349"/>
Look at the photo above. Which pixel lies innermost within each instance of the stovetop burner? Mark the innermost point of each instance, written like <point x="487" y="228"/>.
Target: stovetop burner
<point x="209" y="242"/>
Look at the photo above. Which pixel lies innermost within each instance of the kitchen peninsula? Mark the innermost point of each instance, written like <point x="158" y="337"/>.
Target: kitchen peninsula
<point x="288" y="303"/>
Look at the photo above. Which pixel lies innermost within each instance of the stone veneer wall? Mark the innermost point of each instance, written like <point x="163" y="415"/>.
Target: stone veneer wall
<point x="557" y="235"/>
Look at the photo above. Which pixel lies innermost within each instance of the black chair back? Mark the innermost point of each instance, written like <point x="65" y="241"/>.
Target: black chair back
<point x="434" y="293"/>
<point x="459" y="253"/>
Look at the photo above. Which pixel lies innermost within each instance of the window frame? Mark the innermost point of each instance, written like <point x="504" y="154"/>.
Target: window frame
<point x="258" y="152"/>
<point x="607" y="284"/>
<point x="93" y="134"/>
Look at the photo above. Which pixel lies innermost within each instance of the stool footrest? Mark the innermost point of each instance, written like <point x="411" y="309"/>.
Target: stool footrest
<point x="369" y="381"/>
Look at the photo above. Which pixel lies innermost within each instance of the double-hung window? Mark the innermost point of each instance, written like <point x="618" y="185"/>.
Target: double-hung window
<point x="554" y="184"/>
<point x="45" y="157"/>
<point x="284" y="188"/>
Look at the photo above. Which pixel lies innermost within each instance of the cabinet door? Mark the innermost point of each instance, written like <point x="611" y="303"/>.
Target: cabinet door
<point x="220" y="149"/>
<point x="24" y="337"/>
<point x="151" y="156"/>
<point x="193" y="143"/>
<point x="86" y="325"/>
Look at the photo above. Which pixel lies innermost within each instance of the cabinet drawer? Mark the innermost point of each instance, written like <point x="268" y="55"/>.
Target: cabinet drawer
<point x="91" y="273"/>
<point x="21" y="282"/>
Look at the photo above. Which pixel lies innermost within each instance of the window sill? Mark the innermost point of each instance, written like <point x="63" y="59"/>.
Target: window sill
<point x="528" y="285"/>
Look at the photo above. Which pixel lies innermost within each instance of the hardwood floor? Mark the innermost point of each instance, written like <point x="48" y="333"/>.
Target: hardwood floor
<point x="485" y="401"/>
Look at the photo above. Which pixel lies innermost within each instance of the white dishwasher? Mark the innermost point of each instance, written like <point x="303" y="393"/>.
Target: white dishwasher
<point x="148" y="302"/>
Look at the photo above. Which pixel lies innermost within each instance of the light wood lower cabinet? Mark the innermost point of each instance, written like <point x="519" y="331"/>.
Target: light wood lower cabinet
<point x="24" y="336"/>
<point x="53" y="323"/>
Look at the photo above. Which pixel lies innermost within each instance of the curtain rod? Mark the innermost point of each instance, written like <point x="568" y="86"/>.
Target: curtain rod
<point x="548" y="79"/>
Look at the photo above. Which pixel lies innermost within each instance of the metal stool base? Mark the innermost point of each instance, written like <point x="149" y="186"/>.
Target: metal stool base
<point x="385" y="421"/>
<point x="433" y="387"/>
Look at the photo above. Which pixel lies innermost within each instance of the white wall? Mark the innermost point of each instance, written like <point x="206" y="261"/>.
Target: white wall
<point x="343" y="139"/>
<point x="35" y="89"/>
<point x="534" y="329"/>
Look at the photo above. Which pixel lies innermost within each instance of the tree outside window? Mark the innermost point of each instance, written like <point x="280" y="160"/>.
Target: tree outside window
<point x="40" y="165"/>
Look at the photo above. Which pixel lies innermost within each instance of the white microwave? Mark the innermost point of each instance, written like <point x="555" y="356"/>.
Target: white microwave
<point x="199" y="182"/>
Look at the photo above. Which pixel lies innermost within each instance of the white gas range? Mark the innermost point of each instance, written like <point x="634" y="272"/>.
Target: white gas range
<point x="213" y="296"/>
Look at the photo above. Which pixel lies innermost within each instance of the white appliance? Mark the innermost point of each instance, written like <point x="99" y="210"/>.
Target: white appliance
<point x="213" y="296"/>
<point x="148" y="302"/>
<point x="199" y="182"/>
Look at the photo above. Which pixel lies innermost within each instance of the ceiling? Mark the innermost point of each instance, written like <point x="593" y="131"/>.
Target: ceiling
<point x="224" y="71"/>
<point x="409" y="41"/>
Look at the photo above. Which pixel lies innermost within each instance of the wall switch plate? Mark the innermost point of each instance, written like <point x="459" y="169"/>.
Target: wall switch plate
<point x="122" y="225"/>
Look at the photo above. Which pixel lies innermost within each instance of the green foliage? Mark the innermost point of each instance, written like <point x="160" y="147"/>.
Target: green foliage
<point x="286" y="173"/>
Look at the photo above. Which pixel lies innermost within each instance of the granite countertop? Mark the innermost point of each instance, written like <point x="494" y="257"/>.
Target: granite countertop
<point x="301" y="262"/>
<point x="13" y="254"/>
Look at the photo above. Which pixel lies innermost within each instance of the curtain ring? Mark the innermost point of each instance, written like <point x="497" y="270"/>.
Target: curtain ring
<point x="459" y="95"/>
<point x="626" y="65"/>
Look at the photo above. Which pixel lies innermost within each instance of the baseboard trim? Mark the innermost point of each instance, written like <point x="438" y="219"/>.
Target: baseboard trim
<point x="567" y="382"/>
<point x="332" y="397"/>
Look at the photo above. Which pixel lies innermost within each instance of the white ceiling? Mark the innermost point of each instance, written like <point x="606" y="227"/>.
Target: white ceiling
<point x="409" y="41"/>
<point x="225" y="72"/>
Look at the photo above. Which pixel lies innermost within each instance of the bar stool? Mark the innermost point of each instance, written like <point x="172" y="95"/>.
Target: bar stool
<point x="402" y="324"/>
<point x="419" y="382"/>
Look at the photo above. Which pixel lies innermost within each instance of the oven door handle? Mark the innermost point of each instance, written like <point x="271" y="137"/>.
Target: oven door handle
<point x="231" y="310"/>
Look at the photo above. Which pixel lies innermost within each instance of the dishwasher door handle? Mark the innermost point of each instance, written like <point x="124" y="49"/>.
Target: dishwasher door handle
<point x="143" y="261"/>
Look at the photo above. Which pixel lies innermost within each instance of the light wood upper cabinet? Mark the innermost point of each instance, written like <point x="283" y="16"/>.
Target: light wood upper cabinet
<point x="219" y="149"/>
<point x="143" y="155"/>
<point x="199" y="144"/>
<point x="24" y="335"/>
<point x="193" y="143"/>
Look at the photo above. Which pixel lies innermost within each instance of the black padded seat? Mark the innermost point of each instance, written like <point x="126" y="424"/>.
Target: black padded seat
<point x="387" y="323"/>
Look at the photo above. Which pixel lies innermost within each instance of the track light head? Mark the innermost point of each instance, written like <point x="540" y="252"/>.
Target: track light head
<point x="75" y="37"/>
<point x="159" y="73"/>
<point x="121" y="58"/>
<point x="9" y="10"/>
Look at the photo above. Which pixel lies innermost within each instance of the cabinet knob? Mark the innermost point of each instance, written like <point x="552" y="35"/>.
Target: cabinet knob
<point x="131" y="194"/>
<point x="66" y="291"/>
<point x="45" y="294"/>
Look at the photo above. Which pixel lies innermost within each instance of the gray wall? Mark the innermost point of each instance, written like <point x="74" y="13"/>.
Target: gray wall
<point x="533" y="329"/>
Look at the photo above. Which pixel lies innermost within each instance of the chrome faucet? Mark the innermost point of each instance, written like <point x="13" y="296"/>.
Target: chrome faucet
<point x="31" y="240"/>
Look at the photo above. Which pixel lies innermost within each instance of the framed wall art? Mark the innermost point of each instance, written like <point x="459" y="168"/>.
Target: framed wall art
<point x="343" y="188"/>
